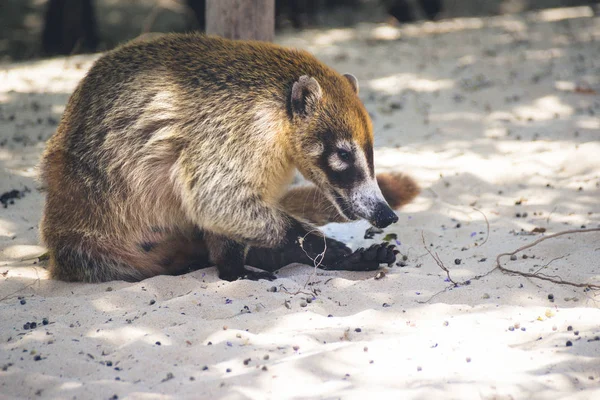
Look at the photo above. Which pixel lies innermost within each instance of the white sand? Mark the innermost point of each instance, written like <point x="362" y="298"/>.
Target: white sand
<point x="483" y="112"/>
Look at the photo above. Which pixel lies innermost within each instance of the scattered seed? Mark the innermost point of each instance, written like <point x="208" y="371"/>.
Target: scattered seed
<point x="569" y="328"/>
<point x="569" y="343"/>
<point x="457" y="261"/>
<point x="23" y="301"/>
<point x="358" y="330"/>
<point x="45" y="321"/>
<point x="247" y="361"/>
<point x="551" y="297"/>
<point x="157" y="343"/>
<point x="152" y="302"/>
<point x="37" y="358"/>
<point x="228" y="370"/>
<point x="264" y="368"/>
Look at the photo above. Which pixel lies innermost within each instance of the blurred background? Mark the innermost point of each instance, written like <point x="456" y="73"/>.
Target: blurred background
<point x="32" y="29"/>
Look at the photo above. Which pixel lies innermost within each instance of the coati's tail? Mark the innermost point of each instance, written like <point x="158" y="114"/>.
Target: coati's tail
<point x="309" y="203"/>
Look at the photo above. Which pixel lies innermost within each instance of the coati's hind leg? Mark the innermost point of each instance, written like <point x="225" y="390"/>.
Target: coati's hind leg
<point x="84" y="261"/>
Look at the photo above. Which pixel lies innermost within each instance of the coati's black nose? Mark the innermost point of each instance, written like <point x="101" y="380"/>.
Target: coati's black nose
<point x="383" y="216"/>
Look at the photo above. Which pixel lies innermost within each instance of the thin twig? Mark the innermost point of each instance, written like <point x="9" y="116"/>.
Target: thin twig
<point x="437" y="259"/>
<point x="487" y="235"/>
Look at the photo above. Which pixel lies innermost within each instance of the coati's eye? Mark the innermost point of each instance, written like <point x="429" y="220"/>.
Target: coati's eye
<point x="344" y="154"/>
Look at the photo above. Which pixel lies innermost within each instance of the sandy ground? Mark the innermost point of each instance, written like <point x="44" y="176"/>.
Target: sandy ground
<point x="494" y="117"/>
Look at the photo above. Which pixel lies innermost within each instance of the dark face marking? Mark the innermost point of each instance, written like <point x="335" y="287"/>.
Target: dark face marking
<point x="346" y="178"/>
<point x="147" y="246"/>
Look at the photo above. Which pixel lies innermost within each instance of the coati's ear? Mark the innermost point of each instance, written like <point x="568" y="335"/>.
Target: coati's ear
<point x="306" y="94"/>
<point x="353" y="81"/>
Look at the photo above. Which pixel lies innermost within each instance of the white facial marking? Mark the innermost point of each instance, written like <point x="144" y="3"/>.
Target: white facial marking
<point x="336" y="163"/>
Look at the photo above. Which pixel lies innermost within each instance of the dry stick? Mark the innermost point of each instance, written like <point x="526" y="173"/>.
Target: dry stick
<point x="553" y="279"/>
<point x="437" y="259"/>
<point x="487" y="224"/>
<point x="537" y="275"/>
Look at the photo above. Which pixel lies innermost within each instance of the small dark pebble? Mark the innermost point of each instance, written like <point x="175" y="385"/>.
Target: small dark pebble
<point x="550" y="297"/>
<point x="33" y="325"/>
<point x="483" y="260"/>
<point x="27" y="326"/>
<point x="457" y="261"/>
<point x="569" y="328"/>
<point x="23" y="301"/>
<point x="264" y="368"/>
<point x="330" y="316"/>
<point x="295" y="348"/>
<point x="518" y="215"/>
<point x="109" y="364"/>
<point x="358" y="330"/>
<point x="569" y="343"/>
<point x="205" y="368"/>
<point x="209" y="344"/>
<point x="513" y="257"/>
<point x="576" y="333"/>
<point x="401" y="264"/>
<point x="228" y="370"/>
<point x="273" y="289"/>
<point x="45" y="321"/>
<point x="37" y="358"/>
<point x="385" y="305"/>
<point x="114" y="397"/>
<point x="157" y="343"/>
<point x="152" y="302"/>
<point x="266" y="357"/>
<point x="247" y="361"/>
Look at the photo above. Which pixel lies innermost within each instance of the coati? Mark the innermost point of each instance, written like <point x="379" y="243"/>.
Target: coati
<point x="175" y="153"/>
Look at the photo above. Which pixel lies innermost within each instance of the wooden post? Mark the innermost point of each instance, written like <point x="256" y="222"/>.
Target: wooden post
<point x="241" y="19"/>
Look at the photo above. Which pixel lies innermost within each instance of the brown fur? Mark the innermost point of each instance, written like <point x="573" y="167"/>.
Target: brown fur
<point x="175" y="152"/>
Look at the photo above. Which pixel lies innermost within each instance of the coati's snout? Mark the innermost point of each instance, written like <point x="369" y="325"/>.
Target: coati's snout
<point x="334" y="148"/>
<point x="365" y="201"/>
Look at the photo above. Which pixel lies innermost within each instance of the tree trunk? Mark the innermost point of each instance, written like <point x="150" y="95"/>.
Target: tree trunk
<point x="241" y="19"/>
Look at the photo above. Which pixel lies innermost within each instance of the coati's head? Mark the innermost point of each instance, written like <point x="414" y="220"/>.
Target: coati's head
<point x="333" y="146"/>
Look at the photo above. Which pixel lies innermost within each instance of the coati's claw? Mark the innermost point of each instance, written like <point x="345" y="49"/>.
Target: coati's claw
<point x="366" y="260"/>
<point x="250" y="275"/>
<point x="257" y="275"/>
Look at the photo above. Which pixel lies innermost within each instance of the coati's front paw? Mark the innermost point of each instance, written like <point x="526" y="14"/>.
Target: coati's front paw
<point x="366" y="259"/>
<point x="247" y="274"/>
